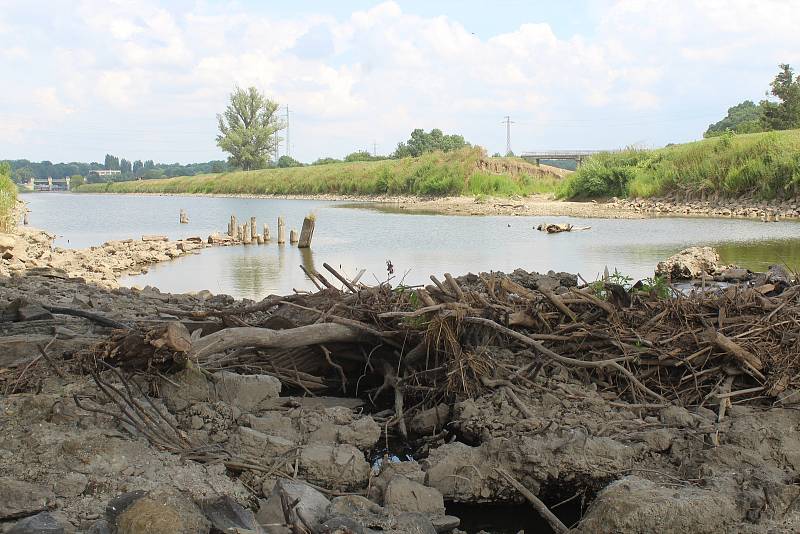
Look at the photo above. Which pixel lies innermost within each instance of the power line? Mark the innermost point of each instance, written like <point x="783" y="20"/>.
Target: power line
<point x="287" y="131"/>
<point x="508" y="122"/>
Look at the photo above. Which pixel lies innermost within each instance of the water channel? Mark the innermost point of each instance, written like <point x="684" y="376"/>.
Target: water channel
<point x="352" y="236"/>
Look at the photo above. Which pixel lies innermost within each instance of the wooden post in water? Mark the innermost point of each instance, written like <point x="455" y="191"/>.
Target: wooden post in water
<point x="293" y="236"/>
<point x="281" y="231"/>
<point x="248" y="237"/>
<point x="184" y="217"/>
<point x="266" y="233"/>
<point x="234" y="227"/>
<point x="239" y="234"/>
<point x="25" y="219"/>
<point x="253" y="228"/>
<point x="260" y="239"/>
<point x="307" y="232"/>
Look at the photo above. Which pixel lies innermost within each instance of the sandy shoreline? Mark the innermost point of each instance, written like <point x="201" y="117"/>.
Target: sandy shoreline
<point x="546" y="205"/>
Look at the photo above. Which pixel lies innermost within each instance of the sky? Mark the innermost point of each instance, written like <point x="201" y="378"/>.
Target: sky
<point x="144" y="80"/>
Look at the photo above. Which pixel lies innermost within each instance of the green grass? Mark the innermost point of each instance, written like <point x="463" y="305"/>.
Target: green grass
<point x="8" y="198"/>
<point x="763" y="165"/>
<point x="434" y="174"/>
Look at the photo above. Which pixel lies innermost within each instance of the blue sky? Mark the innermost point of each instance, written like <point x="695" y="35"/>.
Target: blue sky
<point x="145" y="79"/>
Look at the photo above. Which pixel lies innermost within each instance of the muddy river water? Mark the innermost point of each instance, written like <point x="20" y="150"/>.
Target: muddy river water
<point x="351" y="236"/>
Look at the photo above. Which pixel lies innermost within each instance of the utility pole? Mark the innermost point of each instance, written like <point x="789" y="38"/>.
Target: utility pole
<point x="277" y="150"/>
<point x="374" y="149"/>
<point x="287" y="130"/>
<point x="508" y="122"/>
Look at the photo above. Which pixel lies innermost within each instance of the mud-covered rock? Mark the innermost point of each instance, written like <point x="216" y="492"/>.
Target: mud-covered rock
<point x="334" y="466"/>
<point x="635" y="504"/>
<point x="404" y="495"/>
<point x="246" y="392"/>
<point x="431" y="420"/>
<point x="226" y="515"/>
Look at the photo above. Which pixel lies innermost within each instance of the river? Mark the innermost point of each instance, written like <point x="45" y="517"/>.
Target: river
<point x="352" y="236"/>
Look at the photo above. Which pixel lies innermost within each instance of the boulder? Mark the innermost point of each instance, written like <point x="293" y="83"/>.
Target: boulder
<point x="186" y="388"/>
<point x="226" y="515"/>
<point x="311" y="504"/>
<point x="634" y="504"/>
<point x="41" y="523"/>
<point x="19" y="498"/>
<point x="690" y="263"/>
<point x="247" y="392"/>
<point x="431" y="420"/>
<point x="334" y="466"/>
<point x="404" y="495"/>
<point x="254" y="443"/>
<point x="7" y="242"/>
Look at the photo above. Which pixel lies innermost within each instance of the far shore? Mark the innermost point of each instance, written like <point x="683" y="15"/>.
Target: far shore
<point x="541" y="205"/>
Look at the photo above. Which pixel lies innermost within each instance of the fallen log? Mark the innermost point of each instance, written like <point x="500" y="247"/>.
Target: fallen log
<point x="264" y="338"/>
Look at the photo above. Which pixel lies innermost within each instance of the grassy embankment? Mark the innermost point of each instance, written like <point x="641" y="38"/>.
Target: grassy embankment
<point x="464" y="172"/>
<point x="8" y="198"/>
<point x="762" y="165"/>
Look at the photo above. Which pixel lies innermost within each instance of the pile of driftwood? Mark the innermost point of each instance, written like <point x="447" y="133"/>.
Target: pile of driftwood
<point x="413" y="348"/>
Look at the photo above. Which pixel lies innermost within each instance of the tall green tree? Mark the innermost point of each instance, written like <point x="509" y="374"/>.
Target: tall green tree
<point x="125" y="166"/>
<point x="247" y="128"/>
<point x="785" y="113"/>
<point x="421" y="142"/>
<point x="741" y="118"/>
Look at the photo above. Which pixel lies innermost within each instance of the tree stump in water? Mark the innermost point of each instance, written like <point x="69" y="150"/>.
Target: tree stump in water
<point x="293" y="236"/>
<point x="307" y="232"/>
<point x="253" y="228"/>
<point x="184" y="217"/>
<point x="281" y="231"/>
<point x="246" y="236"/>
<point x="266" y="233"/>
<point x="233" y="227"/>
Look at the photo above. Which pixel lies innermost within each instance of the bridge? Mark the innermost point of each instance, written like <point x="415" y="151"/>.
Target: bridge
<point x="573" y="155"/>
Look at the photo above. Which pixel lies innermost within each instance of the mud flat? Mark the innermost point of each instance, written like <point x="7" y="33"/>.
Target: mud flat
<point x="362" y="409"/>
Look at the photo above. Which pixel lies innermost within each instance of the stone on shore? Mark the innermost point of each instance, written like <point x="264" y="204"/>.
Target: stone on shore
<point x="690" y="263"/>
<point x="19" y="498"/>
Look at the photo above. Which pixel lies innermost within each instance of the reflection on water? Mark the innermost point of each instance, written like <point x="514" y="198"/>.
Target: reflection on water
<point x="420" y="244"/>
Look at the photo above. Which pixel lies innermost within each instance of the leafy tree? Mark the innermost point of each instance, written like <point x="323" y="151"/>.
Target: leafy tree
<point x="149" y="164"/>
<point x="76" y="180"/>
<point x="362" y="155"/>
<point x="247" y="128"/>
<point x="741" y="118"/>
<point x="325" y="161"/>
<point x="125" y="166"/>
<point x="111" y="163"/>
<point x="422" y="142"/>
<point x="496" y="155"/>
<point x="23" y="175"/>
<point x="784" y="114"/>
<point x="137" y="167"/>
<point x="288" y="161"/>
<point x="218" y="167"/>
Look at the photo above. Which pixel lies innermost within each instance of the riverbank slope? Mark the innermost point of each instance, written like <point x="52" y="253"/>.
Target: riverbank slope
<point x="462" y="172"/>
<point x="747" y="167"/>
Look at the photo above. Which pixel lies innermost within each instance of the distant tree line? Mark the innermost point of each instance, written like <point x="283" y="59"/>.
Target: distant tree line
<point x="779" y="111"/>
<point x="22" y="170"/>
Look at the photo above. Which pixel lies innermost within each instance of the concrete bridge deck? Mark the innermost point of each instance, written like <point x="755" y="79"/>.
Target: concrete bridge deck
<point x="573" y="155"/>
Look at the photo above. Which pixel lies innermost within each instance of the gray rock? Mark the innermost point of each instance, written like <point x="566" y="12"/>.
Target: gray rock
<point x="70" y="485"/>
<point x="255" y="443"/>
<point x="18" y="498"/>
<point x="99" y="527"/>
<point x="414" y="523"/>
<point x="658" y="440"/>
<point x="339" y="466"/>
<point x="247" y="392"/>
<point x="445" y="523"/>
<point x="227" y="515"/>
<point x="192" y="387"/>
<point x="312" y="505"/>
<point x="41" y="523"/>
<point x="343" y="525"/>
<point x="689" y="263"/>
<point x="431" y="420"/>
<point x="677" y="417"/>
<point x="404" y="495"/>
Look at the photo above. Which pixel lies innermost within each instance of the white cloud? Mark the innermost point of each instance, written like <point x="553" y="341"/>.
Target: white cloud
<point x="379" y="72"/>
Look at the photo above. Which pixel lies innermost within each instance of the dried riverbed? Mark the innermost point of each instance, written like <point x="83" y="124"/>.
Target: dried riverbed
<point x="81" y="458"/>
